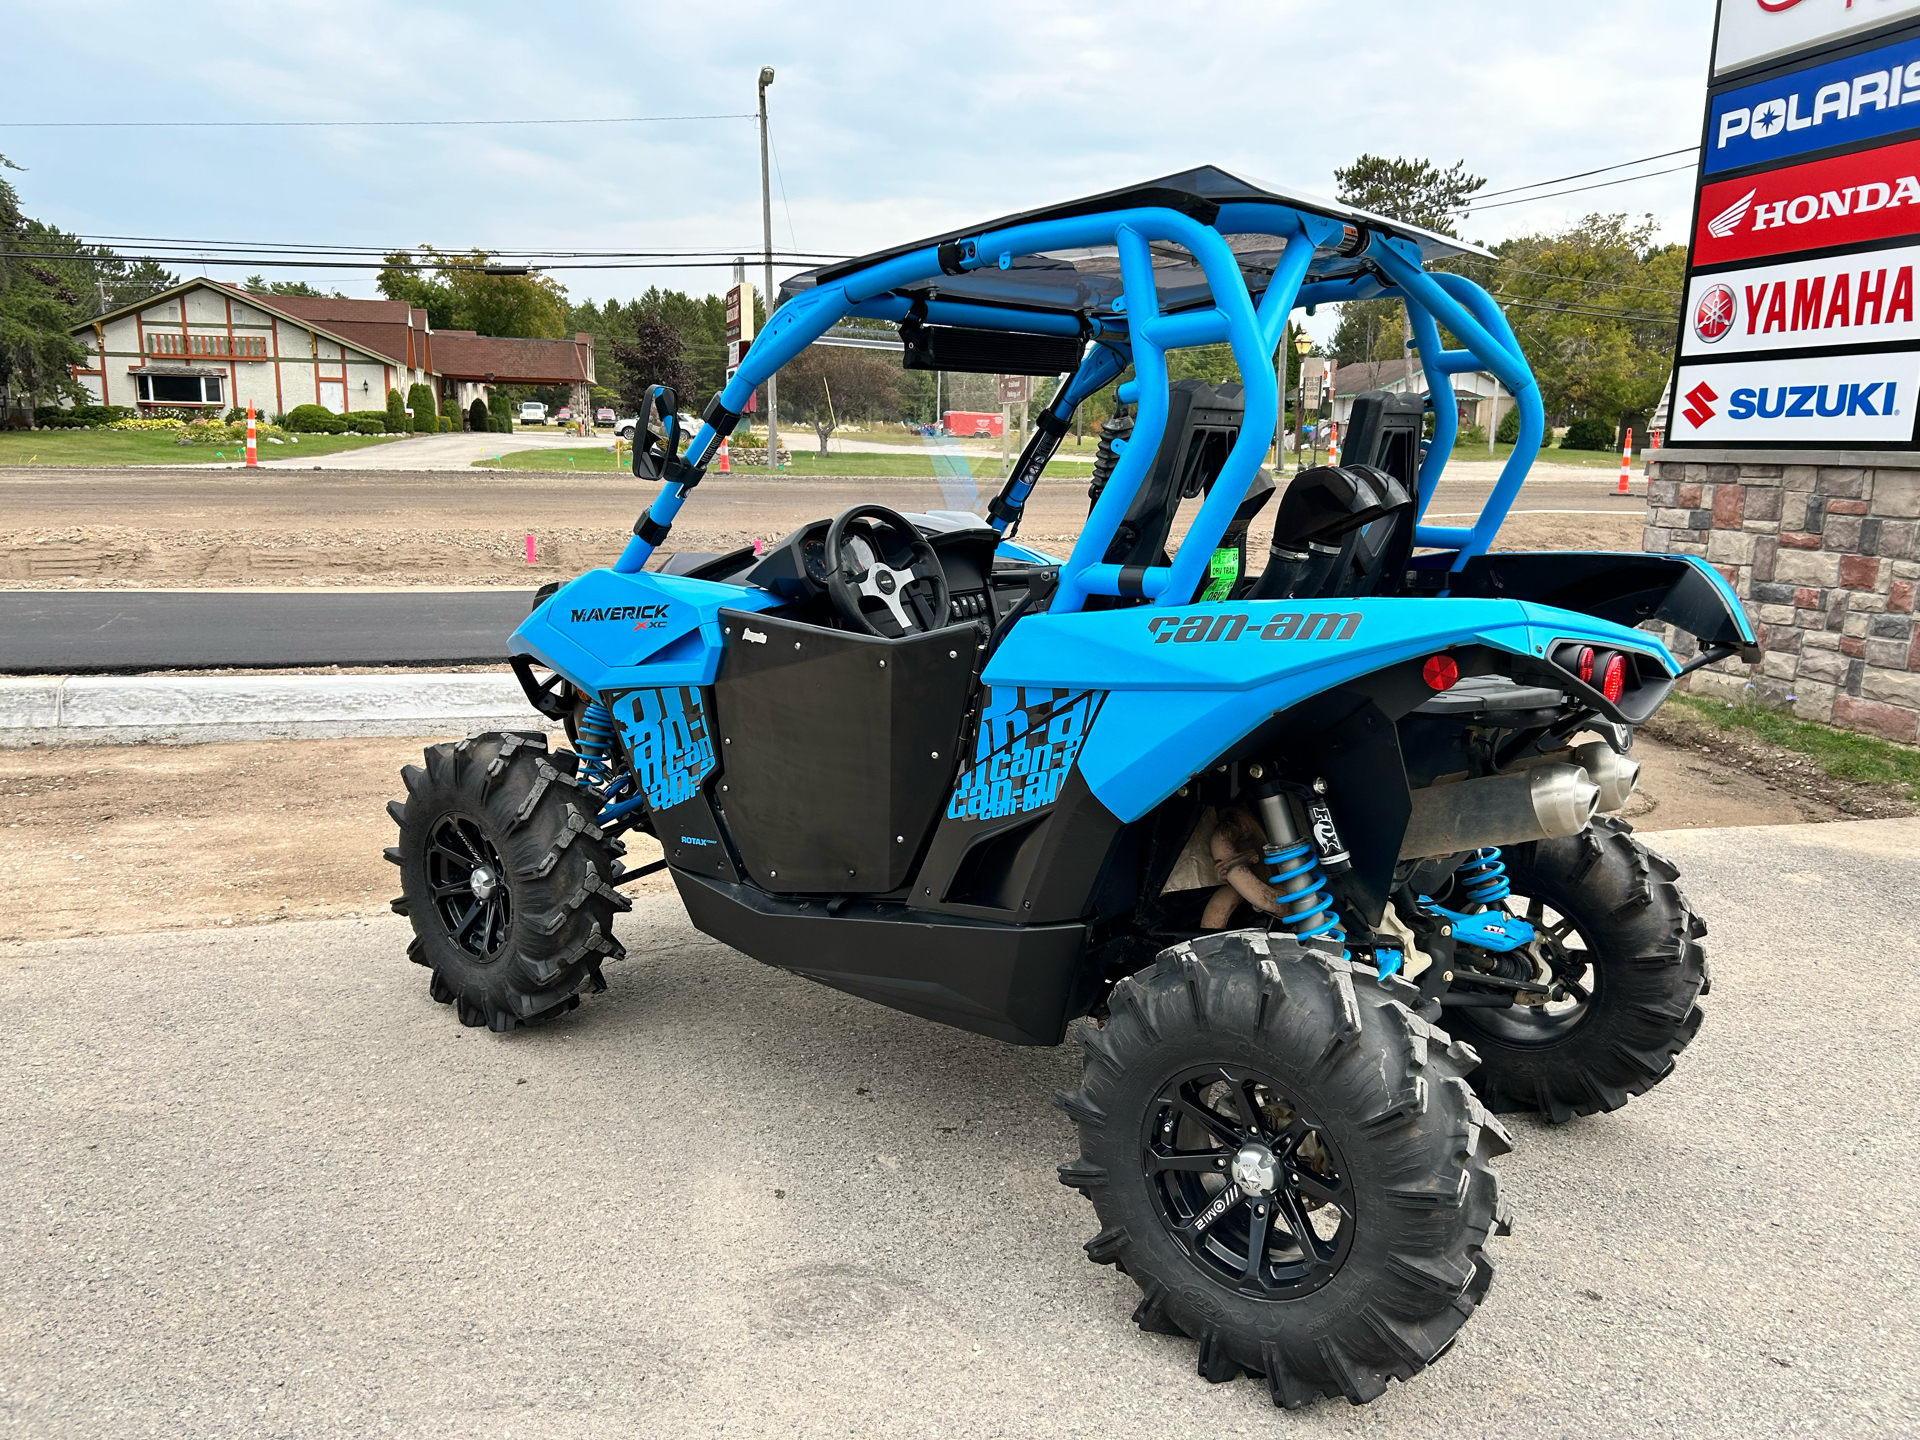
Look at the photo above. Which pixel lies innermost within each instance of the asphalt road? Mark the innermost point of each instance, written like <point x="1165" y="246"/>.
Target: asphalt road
<point x="262" y="1186"/>
<point x="69" y="632"/>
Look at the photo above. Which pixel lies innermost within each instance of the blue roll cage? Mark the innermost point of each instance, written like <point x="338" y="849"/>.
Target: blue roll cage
<point x="1139" y="332"/>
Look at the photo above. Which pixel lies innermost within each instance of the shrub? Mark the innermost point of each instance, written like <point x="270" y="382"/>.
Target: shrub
<point x="499" y="414"/>
<point x="368" y="422"/>
<point x="396" y="413"/>
<point x="1508" y="432"/>
<point x="148" y="422"/>
<point x="1474" y="437"/>
<point x="79" y="417"/>
<point x="315" y="420"/>
<point x="1588" y="435"/>
<point x="446" y="424"/>
<point x="426" y="418"/>
<point x="477" y="417"/>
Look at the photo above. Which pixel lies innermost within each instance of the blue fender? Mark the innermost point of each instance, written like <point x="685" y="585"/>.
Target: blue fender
<point x="610" y="630"/>
<point x="1182" y="686"/>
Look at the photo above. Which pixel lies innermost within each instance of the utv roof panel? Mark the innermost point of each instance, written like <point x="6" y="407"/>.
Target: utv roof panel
<point x="1086" y="282"/>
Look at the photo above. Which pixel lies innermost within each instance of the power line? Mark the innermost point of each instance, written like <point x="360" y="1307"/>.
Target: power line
<point x="1583" y="174"/>
<point x="301" y="248"/>
<point x="1623" y="180"/>
<point x="283" y="264"/>
<point x="338" y="124"/>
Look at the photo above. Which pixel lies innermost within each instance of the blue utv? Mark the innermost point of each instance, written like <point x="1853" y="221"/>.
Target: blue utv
<point x="1259" y="834"/>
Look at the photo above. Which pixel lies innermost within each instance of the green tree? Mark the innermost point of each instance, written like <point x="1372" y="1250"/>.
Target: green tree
<point x="1415" y="192"/>
<point x="458" y="294"/>
<point x="651" y="352"/>
<point x="426" y="419"/>
<point x="37" y="311"/>
<point x="396" y="413"/>
<point x="258" y="285"/>
<point x="828" y="384"/>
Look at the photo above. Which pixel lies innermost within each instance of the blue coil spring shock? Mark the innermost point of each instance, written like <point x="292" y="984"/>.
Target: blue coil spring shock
<point x="594" y="744"/>
<point x="1307" y="909"/>
<point x="1483" y="876"/>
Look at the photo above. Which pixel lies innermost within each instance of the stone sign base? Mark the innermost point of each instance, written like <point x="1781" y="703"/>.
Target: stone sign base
<point x="1824" y="549"/>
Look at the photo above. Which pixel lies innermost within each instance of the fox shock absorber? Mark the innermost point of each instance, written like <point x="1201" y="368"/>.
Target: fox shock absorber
<point x="1297" y="865"/>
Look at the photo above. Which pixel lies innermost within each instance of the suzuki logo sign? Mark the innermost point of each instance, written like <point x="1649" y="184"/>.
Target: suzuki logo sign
<point x="1824" y="399"/>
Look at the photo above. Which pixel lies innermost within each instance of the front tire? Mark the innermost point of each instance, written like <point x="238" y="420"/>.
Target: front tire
<point x="1317" y="1213"/>
<point x="506" y="879"/>
<point x="1629" y="940"/>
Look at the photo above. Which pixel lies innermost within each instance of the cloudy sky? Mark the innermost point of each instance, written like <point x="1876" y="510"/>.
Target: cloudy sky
<point x="890" y="121"/>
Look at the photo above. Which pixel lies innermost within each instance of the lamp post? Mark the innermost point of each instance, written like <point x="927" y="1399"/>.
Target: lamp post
<point x="1301" y="345"/>
<point x="766" y="235"/>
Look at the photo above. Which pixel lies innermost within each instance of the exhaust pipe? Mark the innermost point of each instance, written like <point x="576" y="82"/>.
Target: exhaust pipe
<point x="1542" y="802"/>
<point x="1615" y="774"/>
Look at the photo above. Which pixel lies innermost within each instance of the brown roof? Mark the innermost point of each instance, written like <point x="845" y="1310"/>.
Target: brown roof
<point x="462" y="355"/>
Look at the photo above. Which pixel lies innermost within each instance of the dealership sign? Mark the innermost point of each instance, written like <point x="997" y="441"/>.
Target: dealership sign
<point x="1829" y="399"/>
<point x="1756" y="30"/>
<point x="1847" y="200"/>
<point x="1862" y="97"/>
<point x="1844" y="300"/>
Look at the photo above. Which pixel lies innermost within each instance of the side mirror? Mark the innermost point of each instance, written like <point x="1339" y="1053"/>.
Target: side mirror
<point x="656" y="447"/>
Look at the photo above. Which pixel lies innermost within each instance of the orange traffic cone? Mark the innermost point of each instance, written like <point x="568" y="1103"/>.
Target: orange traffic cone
<point x="1626" y="462"/>
<point x="725" y="468"/>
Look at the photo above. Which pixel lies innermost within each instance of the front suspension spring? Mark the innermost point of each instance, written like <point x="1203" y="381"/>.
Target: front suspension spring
<point x="594" y="744"/>
<point x="1295" y="874"/>
<point x="1483" y="876"/>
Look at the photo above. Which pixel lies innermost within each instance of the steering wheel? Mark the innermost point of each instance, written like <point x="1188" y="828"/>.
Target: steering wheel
<point x="912" y="598"/>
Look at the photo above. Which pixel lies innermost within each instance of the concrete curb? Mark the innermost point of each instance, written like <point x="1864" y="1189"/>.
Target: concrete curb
<point x="114" y="709"/>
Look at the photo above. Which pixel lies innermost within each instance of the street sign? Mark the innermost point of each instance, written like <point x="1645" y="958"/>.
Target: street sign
<point x="740" y="316"/>
<point x="1015" y="389"/>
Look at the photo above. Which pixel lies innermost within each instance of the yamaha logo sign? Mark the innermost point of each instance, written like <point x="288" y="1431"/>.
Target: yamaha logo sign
<point x="1863" y="298"/>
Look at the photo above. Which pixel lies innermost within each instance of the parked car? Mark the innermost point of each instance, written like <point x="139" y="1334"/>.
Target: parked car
<point x="532" y="412"/>
<point x="603" y="416"/>
<point x="625" y="428"/>
<point x="563" y="414"/>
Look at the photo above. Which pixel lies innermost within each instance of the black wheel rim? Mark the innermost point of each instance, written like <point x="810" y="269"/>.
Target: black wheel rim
<point x="1272" y="1231"/>
<point x="1561" y="959"/>
<point x="469" y="886"/>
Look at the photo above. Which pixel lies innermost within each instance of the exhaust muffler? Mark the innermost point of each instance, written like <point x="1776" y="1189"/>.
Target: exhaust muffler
<point x="1542" y="802"/>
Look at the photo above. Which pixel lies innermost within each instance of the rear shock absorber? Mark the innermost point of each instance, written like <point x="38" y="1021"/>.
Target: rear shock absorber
<point x="593" y="742"/>
<point x="1483" y="876"/>
<point x="1299" y="881"/>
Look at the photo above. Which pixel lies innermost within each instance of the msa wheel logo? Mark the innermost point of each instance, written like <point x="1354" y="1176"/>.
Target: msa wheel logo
<point x="1714" y="314"/>
<point x="1699" y="405"/>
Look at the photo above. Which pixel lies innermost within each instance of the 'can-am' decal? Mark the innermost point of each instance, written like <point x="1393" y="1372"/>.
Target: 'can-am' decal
<point x="1288" y="625"/>
<point x="1026" y="745"/>
<point x="667" y="733"/>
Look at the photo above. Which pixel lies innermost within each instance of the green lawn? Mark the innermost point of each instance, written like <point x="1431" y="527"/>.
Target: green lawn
<point x="157" y="447"/>
<point x="1843" y="754"/>
<point x="804" y="463"/>
<point x="1588" y="459"/>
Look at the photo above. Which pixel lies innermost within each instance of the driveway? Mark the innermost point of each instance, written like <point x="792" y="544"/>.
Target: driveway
<point x="263" y="1186"/>
<point x="440" y="452"/>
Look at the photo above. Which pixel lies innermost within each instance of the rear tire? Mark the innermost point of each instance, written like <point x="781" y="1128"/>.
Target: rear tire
<point x="506" y="879"/>
<point x="1354" y="1121"/>
<point x="1643" y="970"/>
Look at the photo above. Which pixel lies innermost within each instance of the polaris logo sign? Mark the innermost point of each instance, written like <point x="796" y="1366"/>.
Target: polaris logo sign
<point x="1843" y="101"/>
<point x="1803" y="304"/>
<point x="1821" y="400"/>
<point x="1849" y="200"/>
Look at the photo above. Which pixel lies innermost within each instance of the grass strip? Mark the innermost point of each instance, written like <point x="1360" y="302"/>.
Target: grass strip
<point x="1843" y="754"/>
<point x="982" y="469"/>
<point x="38" y="448"/>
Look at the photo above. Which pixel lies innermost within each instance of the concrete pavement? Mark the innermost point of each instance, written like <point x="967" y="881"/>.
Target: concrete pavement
<point x="45" y="632"/>
<point x="263" y="1186"/>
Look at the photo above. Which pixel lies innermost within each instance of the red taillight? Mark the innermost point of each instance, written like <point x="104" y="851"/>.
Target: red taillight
<point x="1440" y="672"/>
<point x="1584" y="667"/>
<point x="1613" y="679"/>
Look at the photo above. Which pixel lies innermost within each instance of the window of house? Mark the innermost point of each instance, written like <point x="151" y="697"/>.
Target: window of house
<point x="180" y="389"/>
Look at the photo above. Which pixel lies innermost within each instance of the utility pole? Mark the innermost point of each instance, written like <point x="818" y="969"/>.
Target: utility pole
<point x="766" y="235"/>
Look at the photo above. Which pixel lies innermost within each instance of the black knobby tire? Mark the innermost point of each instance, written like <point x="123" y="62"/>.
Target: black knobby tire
<point x="1643" y="970"/>
<point x="1397" y="1130"/>
<point x="504" y="807"/>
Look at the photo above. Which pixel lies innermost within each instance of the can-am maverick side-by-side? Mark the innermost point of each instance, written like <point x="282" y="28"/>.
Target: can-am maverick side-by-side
<point x="1265" y="832"/>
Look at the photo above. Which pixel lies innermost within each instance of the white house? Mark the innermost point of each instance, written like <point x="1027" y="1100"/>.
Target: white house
<point x="210" y="346"/>
<point x="1480" y="398"/>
